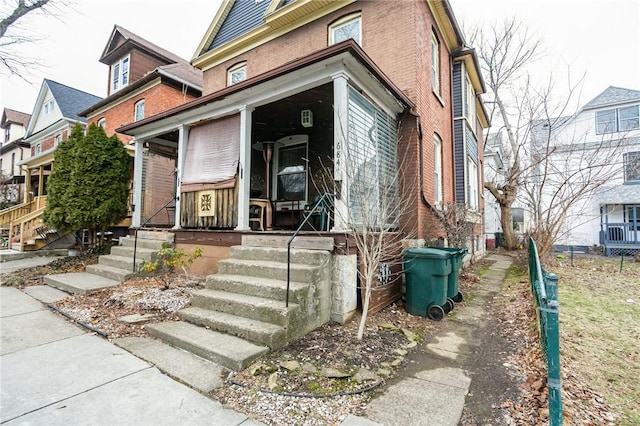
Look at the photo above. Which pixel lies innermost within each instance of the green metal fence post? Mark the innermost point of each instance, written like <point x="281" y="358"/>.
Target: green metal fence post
<point x="553" y="350"/>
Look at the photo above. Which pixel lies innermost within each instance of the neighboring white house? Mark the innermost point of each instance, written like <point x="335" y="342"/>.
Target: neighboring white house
<point x="13" y="149"/>
<point x="590" y="167"/>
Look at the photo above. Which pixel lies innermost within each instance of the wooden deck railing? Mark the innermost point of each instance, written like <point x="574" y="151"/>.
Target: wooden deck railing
<point x="12" y="214"/>
<point x="25" y="227"/>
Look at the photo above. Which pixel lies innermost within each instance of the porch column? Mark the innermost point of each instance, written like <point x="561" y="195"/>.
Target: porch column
<point x="340" y="103"/>
<point x="27" y="187"/>
<point x="183" y="140"/>
<point x="41" y="182"/>
<point x="136" y="220"/>
<point x="244" y="169"/>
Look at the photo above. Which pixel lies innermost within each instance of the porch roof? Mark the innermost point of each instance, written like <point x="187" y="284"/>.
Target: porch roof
<point x="619" y="194"/>
<point x="348" y="47"/>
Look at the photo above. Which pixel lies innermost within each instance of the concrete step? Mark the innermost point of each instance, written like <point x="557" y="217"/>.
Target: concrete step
<point x="231" y="352"/>
<point x="259" y="332"/>
<point x="277" y="254"/>
<point x="79" y="282"/>
<point x="129" y="241"/>
<point x="261" y="287"/>
<point x="109" y="272"/>
<point x="141" y="253"/>
<point x="300" y="242"/>
<point x="256" y="308"/>
<point x="197" y="372"/>
<point x="268" y="269"/>
<point x="120" y="262"/>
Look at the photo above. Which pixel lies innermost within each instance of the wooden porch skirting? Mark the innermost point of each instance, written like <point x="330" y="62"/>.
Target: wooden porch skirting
<point x="223" y="209"/>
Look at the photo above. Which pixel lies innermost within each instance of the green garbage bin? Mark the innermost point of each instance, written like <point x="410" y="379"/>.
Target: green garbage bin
<point x="499" y="239"/>
<point x="453" y="284"/>
<point x="426" y="271"/>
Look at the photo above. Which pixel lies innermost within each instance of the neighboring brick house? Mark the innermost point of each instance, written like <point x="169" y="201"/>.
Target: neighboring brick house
<point x="13" y="150"/>
<point x="54" y="115"/>
<point x="144" y="80"/>
<point x="291" y="86"/>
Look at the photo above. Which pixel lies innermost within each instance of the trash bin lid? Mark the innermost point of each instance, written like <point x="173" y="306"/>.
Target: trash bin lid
<point x="428" y="253"/>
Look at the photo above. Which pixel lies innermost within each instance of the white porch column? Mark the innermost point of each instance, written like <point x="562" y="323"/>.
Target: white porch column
<point x="244" y="169"/>
<point x="340" y="128"/>
<point x="136" y="220"/>
<point x="183" y="140"/>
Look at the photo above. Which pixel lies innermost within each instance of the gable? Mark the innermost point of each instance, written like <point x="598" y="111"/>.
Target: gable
<point x="56" y="102"/>
<point x="613" y="96"/>
<point x="244" y="16"/>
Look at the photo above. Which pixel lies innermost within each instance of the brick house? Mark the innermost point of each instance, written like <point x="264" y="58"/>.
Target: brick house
<point x="293" y="86"/>
<point x="144" y="80"/>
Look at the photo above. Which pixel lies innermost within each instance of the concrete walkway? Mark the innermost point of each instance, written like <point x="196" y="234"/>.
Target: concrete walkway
<point x="434" y="387"/>
<point x="54" y="373"/>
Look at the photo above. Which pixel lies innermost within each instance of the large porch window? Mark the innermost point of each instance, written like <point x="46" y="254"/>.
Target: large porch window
<point x="292" y="173"/>
<point x="371" y="163"/>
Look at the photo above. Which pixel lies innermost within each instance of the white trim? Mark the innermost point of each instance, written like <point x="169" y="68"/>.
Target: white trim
<point x="118" y="82"/>
<point x="244" y="181"/>
<point x="136" y="107"/>
<point x="241" y="66"/>
<point x="343" y="22"/>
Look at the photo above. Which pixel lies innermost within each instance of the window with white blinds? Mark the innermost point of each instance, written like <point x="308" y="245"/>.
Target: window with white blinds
<point x="371" y="163"/>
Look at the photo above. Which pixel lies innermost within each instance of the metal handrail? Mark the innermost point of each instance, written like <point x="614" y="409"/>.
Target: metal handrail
<point x="295" y="234"/>
<point x="135" y="240"/>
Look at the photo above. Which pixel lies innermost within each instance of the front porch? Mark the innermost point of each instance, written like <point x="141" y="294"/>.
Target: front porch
<point x="620" y="229"/>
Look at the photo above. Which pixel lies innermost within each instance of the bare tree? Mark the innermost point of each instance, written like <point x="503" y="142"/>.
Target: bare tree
<point x="376" y="193"/>
<point x="458" y="223"/>
<point x="504" y="52"/>
<point x="13" y="35"/>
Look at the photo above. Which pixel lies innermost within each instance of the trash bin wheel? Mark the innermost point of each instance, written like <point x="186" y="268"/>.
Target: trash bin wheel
<point x="449" y="305"/>
<point x="458" y="298"/>
<point x="436" y="312"/>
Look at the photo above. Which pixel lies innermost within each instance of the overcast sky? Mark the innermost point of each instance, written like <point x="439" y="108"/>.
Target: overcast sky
<point x="599" y="38"/>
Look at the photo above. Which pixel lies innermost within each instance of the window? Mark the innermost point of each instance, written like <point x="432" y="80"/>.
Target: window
<point x="48" y="107"/>
<point x="472" y="182"/>
<point x="38" y="148"/>
<point x="57" y="139"/>
<point x="102" y="123"/>
<point x="435" y="64"/>
<point x="237" y="73"/>
<point x="138" y="110"/>
<point x="437" y="188"/>
<point x="470" y="103"/>
<point x="292" y="172"/>
<point x="120" y="74"/>
<point x="618" y="120"/>
<point x="349" y="27"/>
<point x="632" y="166"/>
<point x="633" y="217"/>
<point x="7" y="133"/>
<point x="13" y="164"/>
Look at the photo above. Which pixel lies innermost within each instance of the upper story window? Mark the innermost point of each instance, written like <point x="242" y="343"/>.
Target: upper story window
<point x="120" y="74"/>
<point x="346" y="28"/>
<point x="102" y="123"/>
<point x="57" y="139"/>
<point x="437" y="160"/>
<point x="435" y="63"/>
<point x="618" y="120"/>
<point x="632" y="167"/>
<point x="470" y="103"/>
<point x="48" y="107"/>
<point x="7" y="133"/>
<point x="38" y="148"/>
<point x="138" y="110"/>
<point x="237" y="73"/>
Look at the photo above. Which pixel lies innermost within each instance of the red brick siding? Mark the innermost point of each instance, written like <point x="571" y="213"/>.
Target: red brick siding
<point x="156" y="99"/>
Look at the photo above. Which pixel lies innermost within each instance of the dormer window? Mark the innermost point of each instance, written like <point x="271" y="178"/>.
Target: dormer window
<point x="48" y="107"/>
<point x="237" y="73"/>
<point x="120" y="74"/>
<point x="349" y="27"/>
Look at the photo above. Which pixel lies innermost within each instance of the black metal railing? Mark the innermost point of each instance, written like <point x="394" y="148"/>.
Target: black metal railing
<point x="143" y="224"/>
<point x="322" y="201"/>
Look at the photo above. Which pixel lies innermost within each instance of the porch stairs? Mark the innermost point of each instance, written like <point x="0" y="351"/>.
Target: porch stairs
<point x="113" y="268"/>
<point x="241" y="314"/>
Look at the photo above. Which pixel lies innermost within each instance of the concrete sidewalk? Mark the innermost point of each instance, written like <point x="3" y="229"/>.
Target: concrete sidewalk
<point x="433" y="388"/>
<point x="54" y="373"/>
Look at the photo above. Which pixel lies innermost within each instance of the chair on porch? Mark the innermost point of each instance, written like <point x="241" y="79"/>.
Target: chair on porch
<point x="321" y="210"/>
<point x="259" y="209"/>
